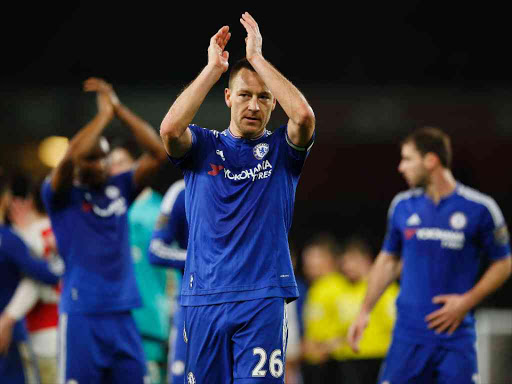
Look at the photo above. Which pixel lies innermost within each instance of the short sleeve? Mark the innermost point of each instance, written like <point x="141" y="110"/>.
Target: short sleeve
<point x="393" y="239"/>
<point x="199" y="137"/>
<point x="494" y="234"/>
<point x="296" y="155"/>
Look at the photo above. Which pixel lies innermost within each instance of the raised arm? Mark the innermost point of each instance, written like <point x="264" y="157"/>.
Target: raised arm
<point x="174" y="130"/>
<point x="385" y="270"/>
<point x="302" y="119"/>
<point x="154" y="153"/>
<point x="84" y="141"/>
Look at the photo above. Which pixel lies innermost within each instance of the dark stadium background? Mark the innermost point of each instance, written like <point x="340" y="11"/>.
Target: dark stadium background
<point x="372" y="72"/>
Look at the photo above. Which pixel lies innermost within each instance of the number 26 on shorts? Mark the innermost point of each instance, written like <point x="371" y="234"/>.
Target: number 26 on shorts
<point x="275" y="363"/>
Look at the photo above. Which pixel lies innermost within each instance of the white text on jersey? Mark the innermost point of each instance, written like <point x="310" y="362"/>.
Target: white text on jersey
<point x="262" y="171"/>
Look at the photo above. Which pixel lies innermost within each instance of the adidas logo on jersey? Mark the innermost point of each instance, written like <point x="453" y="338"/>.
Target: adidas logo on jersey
<point x="414" y="220"/>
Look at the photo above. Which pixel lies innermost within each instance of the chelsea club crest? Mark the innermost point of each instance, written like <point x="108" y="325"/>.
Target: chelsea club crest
<point x="458" y="220"/>
<point x="260" y="151"/>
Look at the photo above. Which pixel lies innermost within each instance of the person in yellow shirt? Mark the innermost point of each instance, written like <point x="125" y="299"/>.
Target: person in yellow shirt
<point x="362" y="368"/>
<point x="322" y="328"/>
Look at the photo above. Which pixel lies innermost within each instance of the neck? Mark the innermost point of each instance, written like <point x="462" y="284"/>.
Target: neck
<point x="28" y="220"/>
<point x="236" y="132"/>
<point x="441" y="184"/>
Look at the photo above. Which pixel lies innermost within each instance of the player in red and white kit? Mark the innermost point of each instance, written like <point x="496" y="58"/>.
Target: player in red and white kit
<point x="33" y="225"/>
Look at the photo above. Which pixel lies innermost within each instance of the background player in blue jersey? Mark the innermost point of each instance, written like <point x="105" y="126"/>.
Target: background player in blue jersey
<point x="240" y="191"/>
<point x="438" y="230"/>
<point x="15" y="262"/>
<point x="168" y="248"/>
<point x="152" y="319"/>
<point x="98" y="341"/>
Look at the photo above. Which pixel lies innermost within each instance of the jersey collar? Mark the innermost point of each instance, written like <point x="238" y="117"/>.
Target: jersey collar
<point x="233" y="137"/>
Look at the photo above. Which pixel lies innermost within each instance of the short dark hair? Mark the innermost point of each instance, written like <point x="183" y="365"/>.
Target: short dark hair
<point x="432" y="140"/>
<point x="128" y="144"/>
<point x="21" y="185"/>
<point x="357" y="243"/>
<point x="239" y="65"/>
<point x="327" y="241"/>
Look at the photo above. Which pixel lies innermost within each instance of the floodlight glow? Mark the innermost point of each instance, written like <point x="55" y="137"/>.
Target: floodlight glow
<point x="52" y="150"/>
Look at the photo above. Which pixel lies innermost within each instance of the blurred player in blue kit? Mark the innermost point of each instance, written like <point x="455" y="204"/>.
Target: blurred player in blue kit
<point x="438" y="230"/>
<point x="98" y="339"/>
<point x="17" y="363"/>
<point x="152" y="319"/>
<point x="239" y="197"/>
<point x="168" y="248"/>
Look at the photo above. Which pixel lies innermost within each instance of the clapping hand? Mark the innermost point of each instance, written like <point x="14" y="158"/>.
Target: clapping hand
<point x="217" y="56"/>
<point x="253" y="41"/>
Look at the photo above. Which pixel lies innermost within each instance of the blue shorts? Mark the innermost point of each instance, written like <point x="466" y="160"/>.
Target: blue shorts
<point x="241" y="342"/>
<point x="429" y="364"/>
<point x="19" y="365"/>
<point x="100" y="348"/>
<point x="177" y="347"/>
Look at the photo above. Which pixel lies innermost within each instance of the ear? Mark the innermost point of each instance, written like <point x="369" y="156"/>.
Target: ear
<point x="274" y="104"/>
<point x="431" y="160"/>
<point x="227" y="97"/>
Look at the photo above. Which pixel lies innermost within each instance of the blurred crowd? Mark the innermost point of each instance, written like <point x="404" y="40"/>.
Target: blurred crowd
<point x="332" y="284"/>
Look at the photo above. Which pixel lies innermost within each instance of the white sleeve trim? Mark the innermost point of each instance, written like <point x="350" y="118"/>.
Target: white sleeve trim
<point x="487" y="201"/>
<point x="171" y="195"/>
<point x="293" y="346"/>
<point x="296" y="147"/>
<point x="403" y="196"/>
<point x="168" y="252"/>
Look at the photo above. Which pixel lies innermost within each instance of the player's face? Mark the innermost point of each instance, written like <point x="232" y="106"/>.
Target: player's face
<point x="93" y="170"/>
<point x="412" y="166"/>
<point x="120" y="161"/>
<point x="251" y="104"/>
<point x="354" y="265"/>
<point x="317" y="262"/>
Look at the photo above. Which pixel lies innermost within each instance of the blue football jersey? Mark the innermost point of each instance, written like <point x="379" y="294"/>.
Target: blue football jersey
<point x="168" y="248"/>
<point x="15" y="262"/>
<point x="91" y="228"/>
<point x="239" y="202"/>
<point x="170" y="236"/>
<point x="442" y="248"/>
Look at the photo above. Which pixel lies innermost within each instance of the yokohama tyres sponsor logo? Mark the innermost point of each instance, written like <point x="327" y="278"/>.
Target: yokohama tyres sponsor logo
<point x="261" y="171"/>
<point x="448" y="239"/>
<point x="116" y="207"/>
